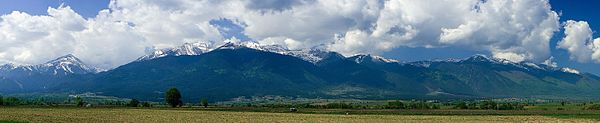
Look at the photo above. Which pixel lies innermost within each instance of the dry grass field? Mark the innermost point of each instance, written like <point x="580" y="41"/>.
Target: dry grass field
<point x="167" y="115"/>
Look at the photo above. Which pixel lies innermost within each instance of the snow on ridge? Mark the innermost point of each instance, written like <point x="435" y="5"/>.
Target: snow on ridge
<point x="312" y="55"/>
<point x="386" y="60"/>
<point x="374" y="58"/>
<point x="315" y="55"/>
<point x="570" y="70"/>
<point x="68" y="64"/>
<point x="185" y="49"/>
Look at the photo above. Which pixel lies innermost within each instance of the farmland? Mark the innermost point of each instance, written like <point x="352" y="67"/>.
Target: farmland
<point x="145" y="115"/>
<point x="103" y="109"/>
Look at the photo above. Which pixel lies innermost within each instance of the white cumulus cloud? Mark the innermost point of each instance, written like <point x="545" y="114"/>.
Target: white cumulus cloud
<point x="579" y="43"/>
<point x="516" y="30"/>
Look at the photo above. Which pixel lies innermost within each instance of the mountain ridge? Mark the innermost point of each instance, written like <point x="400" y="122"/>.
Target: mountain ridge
<point x="233" y="70"/>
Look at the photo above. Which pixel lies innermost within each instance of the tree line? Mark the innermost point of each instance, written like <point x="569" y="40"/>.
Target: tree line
<point x="489" y="105"/>
<point x="173" y="98"/>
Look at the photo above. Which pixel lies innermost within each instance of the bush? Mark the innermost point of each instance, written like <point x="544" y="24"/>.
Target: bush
<point x="1" y="100"/>
<point x="509" y="106"/>
<point x="338" y="106"/>
<point x="422" y="105"/>
<point x="146" y="104"/>
<point x="593" y="107"/>
<point x="79" y="102"/>
<point x="395" y="105"/>
<point x="204" y="102"/>
<point x="133" y="103"/>
<point x="461" y="105"/>
<point x="488" y="105"/>
<point x="11" y="101"/>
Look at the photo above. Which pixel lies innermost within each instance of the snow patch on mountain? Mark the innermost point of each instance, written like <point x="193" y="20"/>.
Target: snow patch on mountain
<point x="360" y="58"/>
<point x="186" y="49"/>
<point x="569" y="70"/>
<point x="312" y="55"/>
<point x="64" y="65"/>
<point x="547" y="65"/>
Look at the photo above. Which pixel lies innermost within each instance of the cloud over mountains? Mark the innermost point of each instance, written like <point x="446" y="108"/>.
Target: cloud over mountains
<point x="579" y="42"/>
<point x="518" y="30"/>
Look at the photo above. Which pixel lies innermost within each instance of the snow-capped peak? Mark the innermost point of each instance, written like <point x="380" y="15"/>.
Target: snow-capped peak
<point x="312" y="55"/>
<point x="8" y="66"/>
<point x="67" y="59"/>
<point x="67" y="64"/>
<point x="185" y="49"/>
<point x="378" y="59"/>
<point x="484" y="58"/>
<point x="237" y="45"/>
<point x="478" y="58"/>
<point x="64" y="65"/>
<point x="193" y="48"/>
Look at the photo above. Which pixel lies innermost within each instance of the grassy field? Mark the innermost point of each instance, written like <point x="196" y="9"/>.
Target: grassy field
<point x="23" y="114"/>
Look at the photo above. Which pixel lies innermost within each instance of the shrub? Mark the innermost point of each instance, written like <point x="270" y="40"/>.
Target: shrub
<point x="395" y="105"/>
<point x="472" y="105"/>
<point x="421" y="105"/>
<point x="146" y="104"/>
<point x="79" y="102"/>
<point x="511" y="106"/>
<point x="338" y="106"/>
<point x="204" y="102"/>
<point x="593" y="107"/>
<point x="11" y="101"/>
<point x="133" y="103"/>
<point x="488" y="105"/>
<point x="461" y="105"/>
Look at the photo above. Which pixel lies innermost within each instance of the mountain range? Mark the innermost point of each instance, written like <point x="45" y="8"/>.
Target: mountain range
<point x="31" y="78"/>
<point x="249" y="69"/>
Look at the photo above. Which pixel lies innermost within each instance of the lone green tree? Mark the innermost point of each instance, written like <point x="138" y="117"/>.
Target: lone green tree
<point x="133" y="103"/>
<point x="204" y="102"/>
<point x="173" y="97"/>
<point x="78" y="101"/>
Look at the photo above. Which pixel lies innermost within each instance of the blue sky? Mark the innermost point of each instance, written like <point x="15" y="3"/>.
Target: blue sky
<point x="579" y="10"/>
<point x="87" y="8"/>
<point x="576" y="10"/>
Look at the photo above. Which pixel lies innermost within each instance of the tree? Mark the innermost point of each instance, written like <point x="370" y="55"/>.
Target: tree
<point x="593" y="107"/>
<point x="173" y="97"/>
<point x="461" y="105"/>
<point x="395" y="105"/>
<point x="79" y="101"/>
<point x="204" y="102"/>
<point x="488" y="105"/>
<point x="11" y="101"/>
<point x="133" y="103"/>
<point x="1" y="100"/>
<point x="146" y="104"/>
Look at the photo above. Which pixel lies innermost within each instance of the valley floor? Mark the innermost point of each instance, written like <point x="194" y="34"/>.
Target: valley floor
<point x="25" y="114"/>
